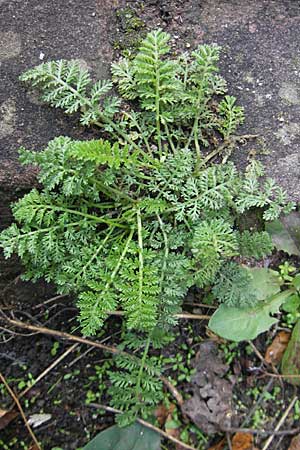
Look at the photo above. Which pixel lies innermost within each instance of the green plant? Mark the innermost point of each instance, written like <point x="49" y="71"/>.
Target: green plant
<point x="297" y="410"/>
<point x="286" y="271"/>
<point x="131" y="223"/>
<point x="99" y="378"/>
<point x="292" y="305"/>
<point x="54" y="348"/>
<point x="181" y="366"/>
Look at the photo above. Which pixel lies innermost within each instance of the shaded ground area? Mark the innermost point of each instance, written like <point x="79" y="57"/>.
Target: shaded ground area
<point x="260" y="61"/>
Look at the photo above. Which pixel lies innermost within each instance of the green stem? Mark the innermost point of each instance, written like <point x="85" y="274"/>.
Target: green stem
<point x="86" y="215"/>
<point x="157" y="102"/>
<point x="134" y="120"/>
<point x="141" y="259"/>
<point x="115" y="271"/>
<point x="102" y="205"/>
<point x="170" y="139"/>
<point x="45" y="230"/>
<point x="83" y="100"/>
<point x="142" y="366"/>
<point x="166" y="254"/>
<point x="86" y="102"/>
<point x="97" y="219"/>
<point x="126" y="138"/>
<point x="107" y="190"/>
<point x="94" y="255"/>
<point x="198" y="151"/>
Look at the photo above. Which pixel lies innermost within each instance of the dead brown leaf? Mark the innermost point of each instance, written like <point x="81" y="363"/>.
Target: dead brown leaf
<point x="210" y="407"/>
<point x="7" y="416"/>
<point x="162" y="413"/>
<point x="219" y="446"/>
<point x="173" y="432"/>
<point x="242" y="441"/>
<point x="295" y="443"/>
<point x="214" y="337"/>
<point x="275" y="351"/>
<point x="33" y="447"/>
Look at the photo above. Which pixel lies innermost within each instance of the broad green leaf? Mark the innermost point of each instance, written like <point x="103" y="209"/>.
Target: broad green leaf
<point x="240" y="324"/>
<point x="292" y="304"/>
<point x="134" y="437"/>
<point x="285" y="233"/>
<point x="265" y="282"/>
<point x="290" y="364"/>
<point x="296" y="281"/>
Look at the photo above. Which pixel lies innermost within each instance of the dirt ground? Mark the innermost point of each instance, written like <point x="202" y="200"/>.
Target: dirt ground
<point x="260" y="61"/>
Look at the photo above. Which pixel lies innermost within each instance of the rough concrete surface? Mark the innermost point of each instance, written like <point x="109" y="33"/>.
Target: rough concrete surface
<point x="31" y="32"/>
<point x="34" y="31"/>
<point x="261" y="62"/>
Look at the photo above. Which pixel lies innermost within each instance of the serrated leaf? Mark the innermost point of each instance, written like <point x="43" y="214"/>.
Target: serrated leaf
<point x="134" y="437"/>
<point x="240" y="324"/>
<point x="285" y="233"/>
<point x="291" y="362"/>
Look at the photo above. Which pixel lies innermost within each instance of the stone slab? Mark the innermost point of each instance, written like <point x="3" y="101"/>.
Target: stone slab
<point x="34" y="31"/>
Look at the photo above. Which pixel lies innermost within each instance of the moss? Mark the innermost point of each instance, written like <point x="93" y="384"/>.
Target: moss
<point x="131" y="31"/>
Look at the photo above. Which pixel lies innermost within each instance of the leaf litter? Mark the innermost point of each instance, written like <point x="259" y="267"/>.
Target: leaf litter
<point x="210" y="406"/>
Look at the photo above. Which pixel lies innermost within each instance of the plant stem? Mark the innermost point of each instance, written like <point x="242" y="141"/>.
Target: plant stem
<point x="141" y="132"/>
<point x="126" y="138"/>
<point x="100" y="247"/>
<point x="166" y="254"/>
<point x="141" y="259"/>
<point x="170" y="139"/>
<point x="198" y="151"/>
<point x="108" y="189"/>
<point x="157" y="101"/>
<point x="143" y="360"/>
<point x="88" y="216"/>
<point x="114" y="272"/>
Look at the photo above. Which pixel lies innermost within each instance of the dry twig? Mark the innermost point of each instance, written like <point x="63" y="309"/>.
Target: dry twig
<point x="16" y="400"/>
<point x="146" y="424"/>
<point x="281" y="421"/>
<point x="179" y="316"/>
<point x="49" y="368"/>
<point x="81" y="340"/>
<point x="50" y="300"/>
<point x="264" y="432"/>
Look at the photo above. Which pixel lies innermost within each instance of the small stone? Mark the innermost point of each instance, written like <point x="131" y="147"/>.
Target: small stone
<point x="10" y="45"/>
<point x="289" y="93"/>
<point x="7" y="118"/>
